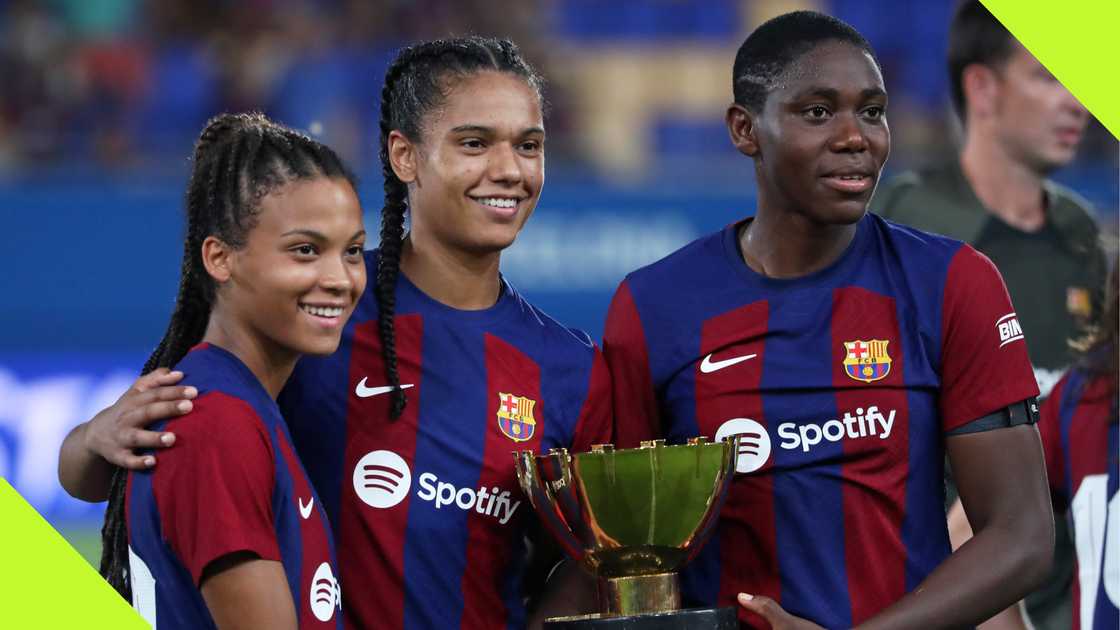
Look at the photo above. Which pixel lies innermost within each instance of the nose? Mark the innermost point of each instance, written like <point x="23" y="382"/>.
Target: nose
<point x="1070" y="102"/>
<point x="848" y="136"/>
<point x="336" y="276"/>
<point x="503" y="165"/>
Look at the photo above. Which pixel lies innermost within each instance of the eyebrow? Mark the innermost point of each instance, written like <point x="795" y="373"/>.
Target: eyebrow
<point x="482" y="129"/>
<point x="319" y="236"/>
<point x="833" y="94"/>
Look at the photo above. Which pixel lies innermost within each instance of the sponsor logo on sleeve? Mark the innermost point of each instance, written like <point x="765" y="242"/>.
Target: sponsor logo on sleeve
<point x="326" y="594"/>
<point x="1009" y="329"/>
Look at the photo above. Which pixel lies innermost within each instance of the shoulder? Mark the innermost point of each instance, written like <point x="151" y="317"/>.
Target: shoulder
<point x="1071" y="214"/>
<point x="534" y="325"/>
<point x="916" y="248"/>
<point x="218" y="422"/>
<point x="682" y="268"/>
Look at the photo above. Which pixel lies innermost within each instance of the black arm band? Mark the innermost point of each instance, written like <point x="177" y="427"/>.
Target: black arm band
<point x="1022" y="412"/>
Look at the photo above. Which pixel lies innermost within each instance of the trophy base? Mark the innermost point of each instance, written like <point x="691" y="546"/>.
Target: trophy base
<point x="689" y="619"/>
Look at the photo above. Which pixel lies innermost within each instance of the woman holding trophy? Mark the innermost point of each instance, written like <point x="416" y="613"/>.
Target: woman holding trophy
<point x="850" y="355"/>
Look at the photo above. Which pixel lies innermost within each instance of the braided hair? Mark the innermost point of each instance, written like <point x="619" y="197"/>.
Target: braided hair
<point x="237" y="161"/>
<point x="416" y="83"/>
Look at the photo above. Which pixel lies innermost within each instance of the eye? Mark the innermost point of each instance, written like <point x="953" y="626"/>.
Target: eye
<point x="816" y="112"/>
<point x="473" y="144"/>
<point x="305" y="250"/>
<point x="875" y="112"/>
<point x="354" y="251"/>
<point x="530" y="146"/>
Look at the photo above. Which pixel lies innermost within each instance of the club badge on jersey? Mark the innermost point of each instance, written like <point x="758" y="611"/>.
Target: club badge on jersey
<point x="515" y="417"/>
<point x="867" y="361"/>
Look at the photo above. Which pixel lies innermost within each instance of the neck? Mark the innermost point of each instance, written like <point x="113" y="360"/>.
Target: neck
<point x="464" y="281"/>
<point x="788" y="245"/>
<point x="271" y="364"/>
<point x="1008" y="188"/>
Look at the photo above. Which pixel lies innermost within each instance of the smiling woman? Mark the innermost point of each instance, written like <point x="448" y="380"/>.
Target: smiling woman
<point x="222" y="532"/>
<point x="873" y="350"/>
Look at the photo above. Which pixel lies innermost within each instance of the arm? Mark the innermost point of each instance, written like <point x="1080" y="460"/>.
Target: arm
<point x="91" y="450"/>
<point x="1003" y="486"/>
<point x="244" y="592"/>
<point x="959" y="533"/>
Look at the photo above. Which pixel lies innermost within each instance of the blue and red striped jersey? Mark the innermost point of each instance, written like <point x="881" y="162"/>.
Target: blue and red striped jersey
<point x="1081" y="442"/>
<point x="428" y="513"/>
<point x="842" y="384"/>
<point x="231" y="484"/>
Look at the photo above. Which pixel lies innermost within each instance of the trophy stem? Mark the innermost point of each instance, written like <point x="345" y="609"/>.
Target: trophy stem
<point x="639" y="594"/>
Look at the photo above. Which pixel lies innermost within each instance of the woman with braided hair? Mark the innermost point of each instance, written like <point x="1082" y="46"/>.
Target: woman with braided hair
<point x="224" y="533"/>
<point x="444" y="369"/>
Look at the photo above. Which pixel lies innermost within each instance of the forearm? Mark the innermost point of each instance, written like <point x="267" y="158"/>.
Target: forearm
<point x="998" y="566"/>
<point x="83" y="473"/>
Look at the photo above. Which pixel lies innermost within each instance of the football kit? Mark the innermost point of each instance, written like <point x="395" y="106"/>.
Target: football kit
<point x="842" y="384"/>
<point x="231" y="484"/>
<point x="1080" y="438"/>
<point x="428" y="514"/>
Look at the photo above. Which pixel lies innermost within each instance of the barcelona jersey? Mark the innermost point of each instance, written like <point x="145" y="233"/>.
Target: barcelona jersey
<point x="430" y="519"/>
<point x="231" y="484"/>
<point x="842" y="384"/>
<point x="1081" y="442"/>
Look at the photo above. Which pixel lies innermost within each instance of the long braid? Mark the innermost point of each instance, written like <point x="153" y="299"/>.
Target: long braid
<point x="415" y="84"/>
<point x="233" y="167"/>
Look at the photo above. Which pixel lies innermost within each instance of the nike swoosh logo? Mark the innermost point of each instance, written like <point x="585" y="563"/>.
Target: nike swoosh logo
<point x="305" y="510"/>
<point x="708" y="366"/>
<point x="365" y="392"/>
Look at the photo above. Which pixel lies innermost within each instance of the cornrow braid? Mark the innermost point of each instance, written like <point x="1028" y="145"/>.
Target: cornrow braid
<point x="416" y="83"/>
<point x="237" y="160"/>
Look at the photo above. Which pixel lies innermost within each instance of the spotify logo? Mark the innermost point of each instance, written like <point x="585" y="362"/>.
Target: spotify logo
<point x="382" y="479"/>
<point x="754" y="443"/>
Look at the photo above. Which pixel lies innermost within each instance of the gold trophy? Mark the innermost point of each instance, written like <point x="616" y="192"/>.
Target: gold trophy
<point x="633" y="518"/>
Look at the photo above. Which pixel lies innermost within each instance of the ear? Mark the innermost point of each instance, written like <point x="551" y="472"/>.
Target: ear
<point x="740" y="125"/>
<point x="980" y="87"/>
<point x="217" y="258"/>
<point x="402" y="156"/>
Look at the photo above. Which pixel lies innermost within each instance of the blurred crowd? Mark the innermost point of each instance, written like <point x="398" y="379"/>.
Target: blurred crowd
<point x="125" y="83"/>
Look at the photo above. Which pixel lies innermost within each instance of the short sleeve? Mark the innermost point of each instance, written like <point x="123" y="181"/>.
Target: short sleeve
<point x="624" y="346"/>
<point x="1050" y="430"/>
<point x="984" y="361"/>
<point x="214" y="489"/>
<point x="594" y="425"/>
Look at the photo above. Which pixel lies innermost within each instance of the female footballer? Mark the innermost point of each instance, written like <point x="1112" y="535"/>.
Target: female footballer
<point x="851" y="354"/>
<point x="444" y="369"/>
<point x="225" y="533"/>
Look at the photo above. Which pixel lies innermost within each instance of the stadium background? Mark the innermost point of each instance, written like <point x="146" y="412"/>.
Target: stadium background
<point x="100" y="101"/>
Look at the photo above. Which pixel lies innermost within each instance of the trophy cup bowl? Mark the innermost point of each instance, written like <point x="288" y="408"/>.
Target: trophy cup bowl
<point x="633" y="518"/>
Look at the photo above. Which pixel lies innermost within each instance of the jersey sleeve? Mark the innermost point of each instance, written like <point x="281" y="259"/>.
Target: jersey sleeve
<point x="1050" y="430"/>
<point x="214" y="489"/>
<point x="594" y="424"/>
<point x="624" y="345"/>
<point x="984" y="362"/>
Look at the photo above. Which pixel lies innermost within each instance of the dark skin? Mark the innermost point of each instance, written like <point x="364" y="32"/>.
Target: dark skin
<point x="818" y="146"/>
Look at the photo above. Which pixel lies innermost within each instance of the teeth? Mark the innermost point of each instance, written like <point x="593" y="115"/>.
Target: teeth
<point x="498" y="202"/>
<point x="322" y="311"/>
<point x="851" y="177"/>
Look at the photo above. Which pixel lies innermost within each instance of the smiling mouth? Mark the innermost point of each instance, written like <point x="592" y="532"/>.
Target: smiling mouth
<point x="328" y="312"/>
<point x="849" y="182"/>
<point x="501" y="203"/>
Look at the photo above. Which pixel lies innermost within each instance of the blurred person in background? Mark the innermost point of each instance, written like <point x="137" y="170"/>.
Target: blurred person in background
<point x="1081" y="442"/>
<point x="1020" y="124"/>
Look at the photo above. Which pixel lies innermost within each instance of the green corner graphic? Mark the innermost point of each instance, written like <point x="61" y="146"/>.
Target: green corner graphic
<point x="1078" y="44"/>
<point x="45" y="583"/>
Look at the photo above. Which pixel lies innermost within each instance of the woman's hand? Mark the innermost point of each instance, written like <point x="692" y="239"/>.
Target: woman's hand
<point x="774" y="614"/>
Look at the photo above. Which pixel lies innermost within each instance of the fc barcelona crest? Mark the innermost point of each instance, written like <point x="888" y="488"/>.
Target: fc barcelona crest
<point x="515" y="417"/>
<point x="867" y="361"/>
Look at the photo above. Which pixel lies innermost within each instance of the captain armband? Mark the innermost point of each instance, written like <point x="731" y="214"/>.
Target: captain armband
<point x="1022" y="412"/>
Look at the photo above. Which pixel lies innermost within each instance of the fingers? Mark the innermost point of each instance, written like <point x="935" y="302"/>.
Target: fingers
<point x="130" y="461"/>
<point x="140" y="439"/>
<point x="146" y="414"/>
<point x="156" y="378"/>
<point x="763" y="606"/>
